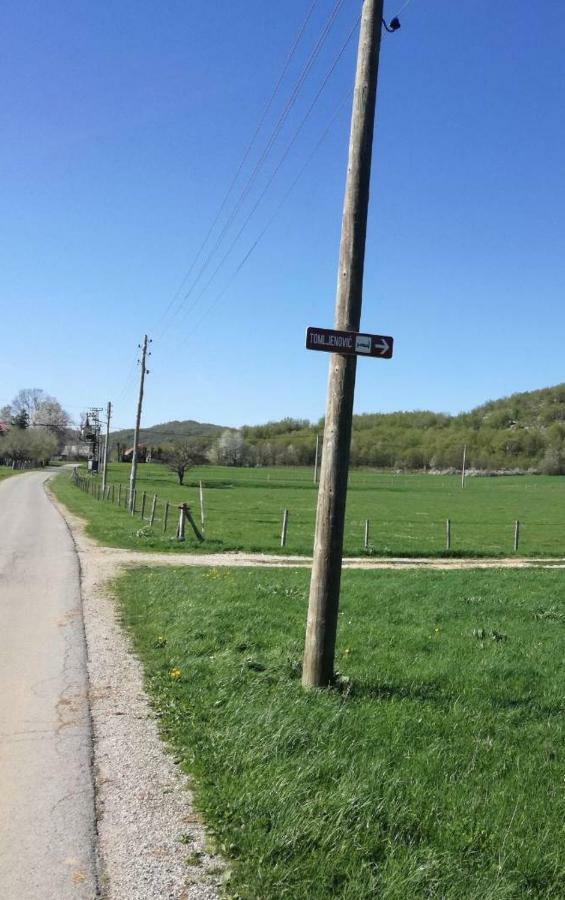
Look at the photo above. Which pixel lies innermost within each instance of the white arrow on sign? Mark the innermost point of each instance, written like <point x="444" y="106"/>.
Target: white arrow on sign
<point x="382" y="345"/>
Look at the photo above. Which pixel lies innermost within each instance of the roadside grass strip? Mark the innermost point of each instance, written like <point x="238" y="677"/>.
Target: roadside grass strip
<point x="407" y="514"/>
<point x="435" y="768"/>
<point x="7" y="472"/>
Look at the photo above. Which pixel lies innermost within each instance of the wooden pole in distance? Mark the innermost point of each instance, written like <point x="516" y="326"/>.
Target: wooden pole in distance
<point x="202" y="519"/>
<point x="366" y="534"/>
<point x="321" y="626"/>
<point x="448" y="534"/>
<point x="516" y="535"/>
<point x="316" y="459"/>
<point x="133" y="472"/>
<point x="284" y="527"/>
<point x="463" y="467"/>
<point x="153" y="508"/>
<point x="106" y="439"/>
<point x="165" y="516"/>
<point x="180" y="526"/>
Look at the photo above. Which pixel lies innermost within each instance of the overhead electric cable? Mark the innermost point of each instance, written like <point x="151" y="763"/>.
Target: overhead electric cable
<point x="290" y="56"/>
<point x="270" y="143"/>
<point x="237" y="270"/>
<point x="274" y="215"/>
<point x="273" y="174"/>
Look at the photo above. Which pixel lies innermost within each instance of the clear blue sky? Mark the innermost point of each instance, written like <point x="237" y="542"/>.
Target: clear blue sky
<point x="123" y="125"/>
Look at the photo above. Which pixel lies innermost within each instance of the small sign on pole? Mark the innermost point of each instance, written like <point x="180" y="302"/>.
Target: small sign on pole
<point x="349" y="343"/>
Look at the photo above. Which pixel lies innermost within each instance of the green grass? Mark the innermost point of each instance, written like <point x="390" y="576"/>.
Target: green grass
<point x="6" y="472"/>
<point x="436" y="770"/>
<point x="407" y="513"/>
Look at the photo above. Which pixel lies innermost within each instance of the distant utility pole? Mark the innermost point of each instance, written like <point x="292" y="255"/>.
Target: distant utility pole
<point x="105" y="463"/>
<point x="133" y="473"/>
<point x="463" y="466"/>
<point x="321" y="626"/>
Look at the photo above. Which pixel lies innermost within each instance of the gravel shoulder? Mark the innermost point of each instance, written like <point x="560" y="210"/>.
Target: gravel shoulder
<point x="143" y="800"/>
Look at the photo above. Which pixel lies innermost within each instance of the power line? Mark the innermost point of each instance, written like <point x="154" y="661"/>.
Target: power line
<point x="274" y="215"/>
<point x="290" y="55"/>
<point x="270" y="181"/>
<point x="313" y="56"/>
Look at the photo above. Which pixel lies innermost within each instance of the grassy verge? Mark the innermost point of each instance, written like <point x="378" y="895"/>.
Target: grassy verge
<point x="407" y="514"/>
<point x="6" y="472"/>
<point x="436" y="770"/>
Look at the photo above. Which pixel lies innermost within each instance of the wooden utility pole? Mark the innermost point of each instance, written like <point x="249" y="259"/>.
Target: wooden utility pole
<point x="464" y="466"/>
<point x="133" y="472"/>
<point x="106" y="439"/>
<point x="321" y="626"/>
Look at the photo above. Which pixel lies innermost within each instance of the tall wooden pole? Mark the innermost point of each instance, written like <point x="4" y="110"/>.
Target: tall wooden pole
<point x="106" y="440"/>
<point x="328" y="543"/>
<point x="133" y="472"/>
<point x="464" y="466"/>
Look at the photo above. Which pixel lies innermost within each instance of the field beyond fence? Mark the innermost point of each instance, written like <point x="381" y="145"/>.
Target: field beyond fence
<point x="387" y="514"/>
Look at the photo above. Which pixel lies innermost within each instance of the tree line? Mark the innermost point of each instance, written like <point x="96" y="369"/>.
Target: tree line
<point x="523" y="432"/>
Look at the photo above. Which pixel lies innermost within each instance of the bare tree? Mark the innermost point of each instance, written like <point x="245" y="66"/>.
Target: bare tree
<point x="182" y="455"/>
<point x="33" y="408"/>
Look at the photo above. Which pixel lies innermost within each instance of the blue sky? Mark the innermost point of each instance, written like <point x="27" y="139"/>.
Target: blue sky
<point x="123" y="125"/>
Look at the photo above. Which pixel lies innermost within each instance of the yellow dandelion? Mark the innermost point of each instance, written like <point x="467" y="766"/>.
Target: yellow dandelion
<point x="175" y="673"/>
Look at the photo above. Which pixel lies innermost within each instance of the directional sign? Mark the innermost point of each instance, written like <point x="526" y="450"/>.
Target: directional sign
<point x="349" y="343"/>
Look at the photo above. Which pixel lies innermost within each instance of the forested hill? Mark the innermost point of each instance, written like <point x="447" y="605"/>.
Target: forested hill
<point x="168" y="432"/>
<point x="522" y="431"/>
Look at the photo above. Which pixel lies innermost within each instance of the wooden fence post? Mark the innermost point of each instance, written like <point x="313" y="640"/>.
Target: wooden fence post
<point x="516" y="535"/>
<point x="120" y="494"/>
<point x="152" y="515"/>
<point x="142" y="513"/>
<point x="202" y="520"/>
<point x="448" y="534"/>
<point x="165" y="516"/>
<point x="180" y="526"/>
<point x="284" y="528"/>
<point x="366" y="543"/>
<point x="133" y="499"/>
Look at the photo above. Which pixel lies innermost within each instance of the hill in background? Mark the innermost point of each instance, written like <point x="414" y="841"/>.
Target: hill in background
<point x="168" y="432"/>
<point x="520" y="432"/>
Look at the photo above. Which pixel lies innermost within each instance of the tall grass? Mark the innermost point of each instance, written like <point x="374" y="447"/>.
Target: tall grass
<point x="434" y="769"/>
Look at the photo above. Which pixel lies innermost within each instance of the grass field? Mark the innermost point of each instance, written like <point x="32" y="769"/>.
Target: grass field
<point x="5" y="472"/>
<point x="407" y="513"/>
<point x="435" y="770"/>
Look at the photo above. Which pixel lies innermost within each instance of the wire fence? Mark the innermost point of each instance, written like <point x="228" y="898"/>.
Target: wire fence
<point x="292" y="529"/>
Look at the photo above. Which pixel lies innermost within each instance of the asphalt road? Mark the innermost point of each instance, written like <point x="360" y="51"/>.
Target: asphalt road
<point x="47" y="818"/>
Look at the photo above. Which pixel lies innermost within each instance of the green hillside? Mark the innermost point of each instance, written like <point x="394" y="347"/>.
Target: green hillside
<point x="523" y="431"/>
<point x="167" y="432"/>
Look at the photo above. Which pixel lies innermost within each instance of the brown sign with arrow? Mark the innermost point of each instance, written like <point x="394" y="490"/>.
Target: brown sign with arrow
<point x="349" y="343"/>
